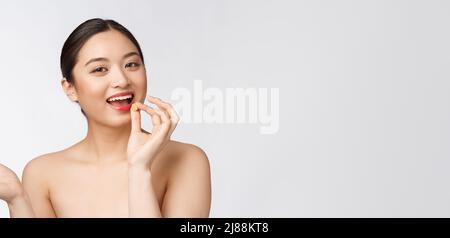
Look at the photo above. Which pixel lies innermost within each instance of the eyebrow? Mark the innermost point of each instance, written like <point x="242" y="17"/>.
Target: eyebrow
<point x="105" y="59"/>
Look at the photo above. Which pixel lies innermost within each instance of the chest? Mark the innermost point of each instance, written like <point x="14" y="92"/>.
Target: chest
<point x="95" y="191"/>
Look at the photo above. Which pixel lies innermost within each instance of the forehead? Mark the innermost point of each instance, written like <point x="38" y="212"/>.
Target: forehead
<point x="109" y="44"/>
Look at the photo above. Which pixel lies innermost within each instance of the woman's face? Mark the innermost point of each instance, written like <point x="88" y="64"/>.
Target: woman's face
<point x="109" y="64"/>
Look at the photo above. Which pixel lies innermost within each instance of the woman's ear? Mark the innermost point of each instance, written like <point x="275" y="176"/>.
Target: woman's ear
<point x="69" y="89"/>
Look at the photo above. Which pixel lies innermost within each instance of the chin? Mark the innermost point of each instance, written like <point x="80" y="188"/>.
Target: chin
<point x="112" y="119"/>
<point x="119" y="120"/>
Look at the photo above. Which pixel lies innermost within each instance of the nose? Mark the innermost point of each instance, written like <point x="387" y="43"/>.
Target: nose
<point x="119" y="79"/>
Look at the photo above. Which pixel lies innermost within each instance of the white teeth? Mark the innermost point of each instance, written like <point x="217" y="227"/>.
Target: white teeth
<point x="119" y="98"/>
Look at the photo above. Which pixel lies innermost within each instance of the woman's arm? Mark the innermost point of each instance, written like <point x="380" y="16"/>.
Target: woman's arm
<point x="189" y="192"/>
<point x="142" y="200"/>
<point x="20" y="207"/>
<point x="12" y="192"/>
<point x="35" y="183"/>
<point x="141" y="150"/>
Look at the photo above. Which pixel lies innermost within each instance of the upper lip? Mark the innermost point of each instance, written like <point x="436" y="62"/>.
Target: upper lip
<point x="121" y="94"/>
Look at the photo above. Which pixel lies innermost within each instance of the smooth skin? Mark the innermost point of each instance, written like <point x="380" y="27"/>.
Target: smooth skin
<point x="118" y="169"/>
<point x="11" y="191"/>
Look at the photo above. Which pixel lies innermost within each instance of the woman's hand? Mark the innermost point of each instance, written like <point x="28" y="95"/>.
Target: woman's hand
<point x="12" y="192"/>
<point x="142" y="146"/>
<point x="10" y="186"/>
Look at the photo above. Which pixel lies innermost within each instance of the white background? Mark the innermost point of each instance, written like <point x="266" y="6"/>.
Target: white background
<point x="364" y="97"/>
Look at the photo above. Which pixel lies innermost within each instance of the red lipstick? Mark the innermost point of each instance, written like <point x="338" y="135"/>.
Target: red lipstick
<point x="123" y="104"/>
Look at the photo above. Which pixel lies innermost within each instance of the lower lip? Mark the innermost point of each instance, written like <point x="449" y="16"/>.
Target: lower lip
<point x="121" y="108"/>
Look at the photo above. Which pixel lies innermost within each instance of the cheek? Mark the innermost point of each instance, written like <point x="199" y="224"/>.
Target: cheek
<point x="91" y="92"/>
<point x="140" y="84"/>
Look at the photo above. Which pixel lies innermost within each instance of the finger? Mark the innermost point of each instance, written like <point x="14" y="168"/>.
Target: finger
<point x="174" y="118"/>
<point x="135" y="118"/>
<point x="165" y="121"/>
<point x="162" y="111"/>
<point x="159" y="103"/>
<point x="156" y="118"/>
<point x="164" y="105"/>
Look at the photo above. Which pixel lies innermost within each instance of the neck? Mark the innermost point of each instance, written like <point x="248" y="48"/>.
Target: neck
<point x="106" y="143"/>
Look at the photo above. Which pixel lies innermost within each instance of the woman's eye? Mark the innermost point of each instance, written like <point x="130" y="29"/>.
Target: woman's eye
<point x="99" y="70"/>
<point x="132" y="64"/>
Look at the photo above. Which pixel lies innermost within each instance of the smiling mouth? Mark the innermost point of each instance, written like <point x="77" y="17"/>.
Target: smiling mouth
<point x="122" y="103"/>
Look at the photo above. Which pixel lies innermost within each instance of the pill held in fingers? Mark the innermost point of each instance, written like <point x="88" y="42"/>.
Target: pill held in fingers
<point x="134" y="107"/>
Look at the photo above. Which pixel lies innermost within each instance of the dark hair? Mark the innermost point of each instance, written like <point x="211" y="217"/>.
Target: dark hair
<point x="81" y="34"/>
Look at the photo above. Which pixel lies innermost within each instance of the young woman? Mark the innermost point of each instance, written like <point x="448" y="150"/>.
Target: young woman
<point x="118" y="169"/>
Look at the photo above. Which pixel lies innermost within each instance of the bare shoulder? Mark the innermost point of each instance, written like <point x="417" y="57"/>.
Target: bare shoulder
<point x="37" y="179"/>
<point x="189" y="188"/>
<point x="187" y="151"/>
<point x="46" y="164"/>
<point x="36" y="176"/>
<point x="41" y="165"/>
<point x="185" y="157"/>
